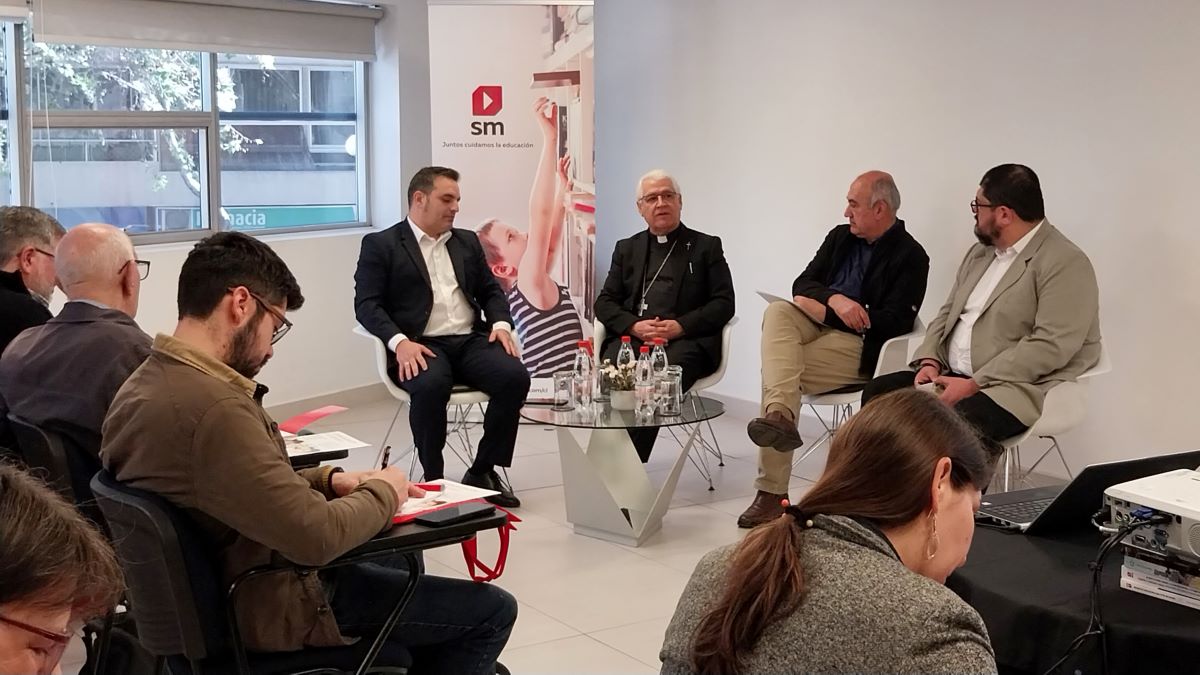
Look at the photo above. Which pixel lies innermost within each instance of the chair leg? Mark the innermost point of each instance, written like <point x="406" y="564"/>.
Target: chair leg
<point x="1054" y="447"/>
<point x="383" y="444"/>
<point x="702" y="464"/>
<point x="104" y="639"/>
<point x="716" y="442"/>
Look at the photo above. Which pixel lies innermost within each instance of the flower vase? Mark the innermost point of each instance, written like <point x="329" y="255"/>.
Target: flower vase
<point x="622" y="399"/>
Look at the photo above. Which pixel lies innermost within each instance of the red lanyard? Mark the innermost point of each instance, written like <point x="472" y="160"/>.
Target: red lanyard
<point x="471" y="552"/>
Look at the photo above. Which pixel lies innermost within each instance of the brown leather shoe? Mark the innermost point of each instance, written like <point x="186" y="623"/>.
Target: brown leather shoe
<point x="765" y="508"/>
<point x="776" y="430"/>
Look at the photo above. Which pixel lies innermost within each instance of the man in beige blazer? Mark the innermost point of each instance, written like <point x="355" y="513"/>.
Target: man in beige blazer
<point x="1022" y="316"/>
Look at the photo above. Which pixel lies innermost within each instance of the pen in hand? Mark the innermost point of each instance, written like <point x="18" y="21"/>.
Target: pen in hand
<point x="387" y="450"/>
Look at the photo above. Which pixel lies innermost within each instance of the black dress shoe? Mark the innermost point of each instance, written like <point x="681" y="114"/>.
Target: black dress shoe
<point x="491" y="481"/>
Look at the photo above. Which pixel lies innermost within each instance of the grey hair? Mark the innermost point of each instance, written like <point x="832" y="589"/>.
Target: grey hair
<point x="884" y="189"/>
<point x="657" y="174"/>
<point x="92" y="252"/>
<point x="22" y="226"/>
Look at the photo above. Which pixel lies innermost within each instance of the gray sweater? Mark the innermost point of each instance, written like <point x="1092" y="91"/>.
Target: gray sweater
<point x="863" y="612"/>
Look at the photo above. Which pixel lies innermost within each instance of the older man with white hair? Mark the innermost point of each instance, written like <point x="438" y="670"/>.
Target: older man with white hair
<point x="64" y="374"/>
<point x="28" y="238"/>
<point x="667" y="281"/>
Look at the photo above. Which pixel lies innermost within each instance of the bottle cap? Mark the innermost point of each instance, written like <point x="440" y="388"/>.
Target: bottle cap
<point x="644" y="349"/>
<point x="581" y="343"/>
<point x="625" y="338"/>
<point x="658" y="341"/>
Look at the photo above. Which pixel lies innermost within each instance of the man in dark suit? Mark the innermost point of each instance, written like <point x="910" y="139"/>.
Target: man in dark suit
<point x="669" y="282"/>
<point x="424" y="288"/>
<point x="63" y="375"/>
<point x="28" y="238"/>
<point x="862" y="288"/>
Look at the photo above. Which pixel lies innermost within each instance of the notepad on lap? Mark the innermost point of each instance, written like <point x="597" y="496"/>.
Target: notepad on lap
<point x="451" y="493"/>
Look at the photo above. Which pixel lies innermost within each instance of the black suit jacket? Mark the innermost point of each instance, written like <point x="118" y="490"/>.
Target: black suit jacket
<point x="18" y="309"/>
<point x="705" y="302"/>
<point x="63" y="375"/>
<point x="893" y="287"/>
<point x="393" y="293"/>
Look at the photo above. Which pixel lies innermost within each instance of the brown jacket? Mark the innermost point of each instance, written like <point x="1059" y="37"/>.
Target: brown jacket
<point x="1041" y="325"/>
<point x="189" y="428"/>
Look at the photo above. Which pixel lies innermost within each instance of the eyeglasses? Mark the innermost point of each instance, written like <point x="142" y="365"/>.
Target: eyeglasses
<point x="59" y="640"/>
<point x="284" y="324"/>
<point x="143" y="267"/>
<point x="975" y="206"/>
<point x="666" y="196"/>
<point x="44" y="252"/>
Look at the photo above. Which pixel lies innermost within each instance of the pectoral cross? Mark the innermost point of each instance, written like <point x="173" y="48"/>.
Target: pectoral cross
<point x="643" y="307"/>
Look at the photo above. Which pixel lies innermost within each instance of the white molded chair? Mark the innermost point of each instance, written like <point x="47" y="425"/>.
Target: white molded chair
<point x="462" y="400"/>
<point x="702" y="445"/>
<point x="894" y="355"/>
<point x="1063" y="410"/>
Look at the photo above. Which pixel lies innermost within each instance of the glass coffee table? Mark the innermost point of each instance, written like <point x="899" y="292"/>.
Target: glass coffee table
<point x="609" y="494"/>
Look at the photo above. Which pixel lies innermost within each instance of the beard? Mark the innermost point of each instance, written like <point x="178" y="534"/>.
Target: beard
<point x="241" y="350"/>
<point x="985" y="238"/>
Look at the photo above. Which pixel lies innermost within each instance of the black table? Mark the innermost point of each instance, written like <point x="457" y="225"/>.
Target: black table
<point x="1033" y="594"/>
<point x="405" y="540"/>
<point x="306" y="460"/>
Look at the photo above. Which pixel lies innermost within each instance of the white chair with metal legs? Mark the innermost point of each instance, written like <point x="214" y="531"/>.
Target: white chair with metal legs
<point x="462" y="400"/>
<point x="1063" y="410"/>
<point x="894" y="355"/>
<point x="702" y="445"/>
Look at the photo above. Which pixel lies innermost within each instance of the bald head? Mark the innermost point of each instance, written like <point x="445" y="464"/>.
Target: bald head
<point x="871" y="204"/>
<point x="94" y="262"/>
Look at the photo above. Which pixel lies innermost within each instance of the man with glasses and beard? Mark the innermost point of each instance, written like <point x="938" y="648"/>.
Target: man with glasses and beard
<point x="28" y="238"/>
<point x="1022" y="316"/>
<point x="189" y="425"/>
<point x="63" y="375"/>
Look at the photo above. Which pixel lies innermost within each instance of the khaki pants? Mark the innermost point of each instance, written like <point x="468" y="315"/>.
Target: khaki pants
<point x="799" y="356"/>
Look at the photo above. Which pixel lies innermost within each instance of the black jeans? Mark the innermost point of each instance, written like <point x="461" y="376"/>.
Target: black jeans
<point x="479" y="364"/>
<point x="449" y="626"/>
<point x="993" y="423"/>
<point x="683" y="353"/>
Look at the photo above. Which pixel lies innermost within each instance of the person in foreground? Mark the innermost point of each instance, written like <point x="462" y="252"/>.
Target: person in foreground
<point x="851" y="578"/>
<point x="56" y="571"/>
<point x="189" y="425"/>
<point x="423" y="287"/>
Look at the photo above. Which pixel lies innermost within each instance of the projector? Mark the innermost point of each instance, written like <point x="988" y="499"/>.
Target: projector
<point x="1175" y="494"/>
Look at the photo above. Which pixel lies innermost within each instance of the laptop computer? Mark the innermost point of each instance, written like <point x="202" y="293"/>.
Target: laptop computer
<point x="1068" y="507"/>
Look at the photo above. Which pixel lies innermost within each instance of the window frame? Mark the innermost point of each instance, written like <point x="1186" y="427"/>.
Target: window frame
<point x="23" y="121"/>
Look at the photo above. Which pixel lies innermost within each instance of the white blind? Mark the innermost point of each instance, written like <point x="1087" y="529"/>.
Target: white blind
<point x="13" y="9"/>
<point x="276" y="27"/>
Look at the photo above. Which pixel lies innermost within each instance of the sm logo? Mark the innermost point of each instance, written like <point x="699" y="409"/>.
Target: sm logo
<point x="486" y="101"/>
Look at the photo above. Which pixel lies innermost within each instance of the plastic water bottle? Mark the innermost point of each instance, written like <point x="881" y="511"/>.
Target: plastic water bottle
<point x="625" y="353"/>
<point x="658" y="358"/>
<point x="643" y="383"/>
<point x="583" y="376"/>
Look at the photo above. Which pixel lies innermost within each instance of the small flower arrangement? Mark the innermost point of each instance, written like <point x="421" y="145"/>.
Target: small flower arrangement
<point x="618" y="378"/>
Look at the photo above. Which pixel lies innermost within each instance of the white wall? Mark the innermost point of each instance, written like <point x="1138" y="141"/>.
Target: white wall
<point x="767" y="110"/>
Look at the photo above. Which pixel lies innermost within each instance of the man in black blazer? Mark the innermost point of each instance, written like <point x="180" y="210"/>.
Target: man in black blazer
<point x="63" y="375"/>
<point x="669" y="282"/>
<point x="28" y="238"/>
<point x="863" y="288"/>
<point x="424" y="289"/>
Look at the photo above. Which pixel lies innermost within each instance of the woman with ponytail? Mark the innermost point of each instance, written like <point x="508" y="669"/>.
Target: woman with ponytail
<point x="851" y="578"/>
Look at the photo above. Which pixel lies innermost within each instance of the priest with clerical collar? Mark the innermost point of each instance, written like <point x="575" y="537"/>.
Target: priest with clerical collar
<point x="668" y="281"/>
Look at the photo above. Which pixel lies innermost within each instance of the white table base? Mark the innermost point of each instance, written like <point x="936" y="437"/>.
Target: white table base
<point x="609" y="476"/>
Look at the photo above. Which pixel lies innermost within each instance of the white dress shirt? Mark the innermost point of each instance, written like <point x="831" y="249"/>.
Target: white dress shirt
<point x="960" y="338"/>
<point x="452" y="313"/>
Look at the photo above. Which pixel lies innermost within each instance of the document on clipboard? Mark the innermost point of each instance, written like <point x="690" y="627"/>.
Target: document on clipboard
<point x="775" y="298"/>
<point x="439" y="494"/>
